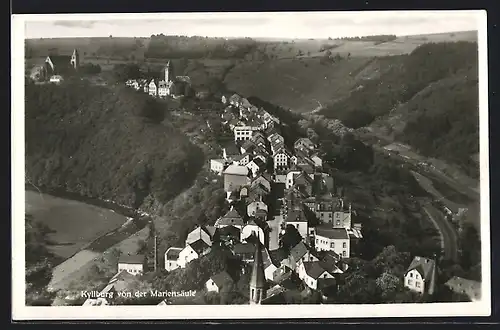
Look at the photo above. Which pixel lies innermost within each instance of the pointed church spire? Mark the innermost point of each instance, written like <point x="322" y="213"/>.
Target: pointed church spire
<point x="258" y="278"/>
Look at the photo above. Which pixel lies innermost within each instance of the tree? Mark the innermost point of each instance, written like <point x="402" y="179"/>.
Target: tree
<point x="291" y="237"/>
<point x="388" y="284"/>
<point x="38" y="263"/>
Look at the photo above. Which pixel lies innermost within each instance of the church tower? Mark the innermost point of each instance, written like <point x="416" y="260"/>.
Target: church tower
<point x="169" y="72"/>
<point x="75" y="59"/>
<point x="258" y="278"/>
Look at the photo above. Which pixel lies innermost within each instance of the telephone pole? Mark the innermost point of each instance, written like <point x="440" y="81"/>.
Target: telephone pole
<point x="155" y="252"/>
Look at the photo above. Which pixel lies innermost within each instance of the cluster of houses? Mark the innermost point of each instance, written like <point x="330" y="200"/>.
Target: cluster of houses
<point x="167" y="86"/>
<point x="275" y="189"/>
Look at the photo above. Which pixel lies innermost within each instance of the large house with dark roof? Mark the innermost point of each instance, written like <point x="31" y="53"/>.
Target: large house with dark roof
<point x="421" y="275"/>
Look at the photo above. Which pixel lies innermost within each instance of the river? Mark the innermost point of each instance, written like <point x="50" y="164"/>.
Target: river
<point x="80" y="231"/>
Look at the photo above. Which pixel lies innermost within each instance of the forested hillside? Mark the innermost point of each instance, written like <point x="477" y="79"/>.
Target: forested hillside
<point x="428" y="99"/>
<point x="105" y="143"/>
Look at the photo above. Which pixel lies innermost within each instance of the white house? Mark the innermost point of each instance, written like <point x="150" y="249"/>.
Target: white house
<point x="256" y="166"/>
<point x="290" y="178"/>
<point x="421" y="275"/>
<point x="281" y="159"/>
<point x="171" y="258"/>
<point x="332" y="239"/>
<point x="252" y="229"/>
<point x="311" y="272"/>
<point x="256" y="205"/>
<point x="297" y="219"/>
<point x="269" y="267"/>
<point x="152" y="88"/>
<point x="217" y="166"/>
<point x="342" y="219"/>
<point x="133" y="264"/>
<point x="163" y="88"/>
<point x="235" y="176"/>
<point x="243" y="133"/>
<point x="218" y="281"/>
<point x="242" y="160"/>
<point x="191" y="252"/>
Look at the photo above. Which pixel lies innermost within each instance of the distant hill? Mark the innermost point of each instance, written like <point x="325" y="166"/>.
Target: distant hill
<point x="398" y="96"/>
<point x="105" y="143"/>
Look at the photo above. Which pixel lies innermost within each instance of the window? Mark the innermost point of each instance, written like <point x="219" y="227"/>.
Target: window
<point x="317" y="241"/>
<point x="344" y="245"/>
<point x="332" y="245"/>
<point x="338" y="223"/>
<point x="411" y="274"/>
<point x="417" y="276"/>
<point x="344" y="253"/>
<point x="410" y="282"/>
<point x="330" y="215"/>
<point x="417" y="284"/>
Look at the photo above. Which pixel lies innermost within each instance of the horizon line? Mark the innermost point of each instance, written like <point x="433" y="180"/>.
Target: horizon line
<point x="256" y="38"/>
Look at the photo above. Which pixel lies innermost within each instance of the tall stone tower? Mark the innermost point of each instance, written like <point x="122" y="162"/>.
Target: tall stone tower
<point x="75" y="59"/>
<point x="258" y="278"/>
<point x="169" y="72"/>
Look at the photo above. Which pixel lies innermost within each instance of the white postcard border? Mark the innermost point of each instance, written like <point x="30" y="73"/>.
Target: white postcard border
<point x="22" y="312"/>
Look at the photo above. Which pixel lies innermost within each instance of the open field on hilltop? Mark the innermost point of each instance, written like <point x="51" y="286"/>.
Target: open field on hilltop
<point x="299" y="85"/>
<point x="74" y="224"/>
<point x="277" y="49"/>
<point x="118" y="48"/>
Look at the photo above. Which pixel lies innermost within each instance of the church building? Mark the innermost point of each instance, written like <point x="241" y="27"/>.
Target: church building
<point x="258" y="283"/>
<point x="61" y="65"/>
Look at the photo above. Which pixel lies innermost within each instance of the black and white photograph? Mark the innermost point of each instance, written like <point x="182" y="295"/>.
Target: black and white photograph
<point x="333" y="162"/>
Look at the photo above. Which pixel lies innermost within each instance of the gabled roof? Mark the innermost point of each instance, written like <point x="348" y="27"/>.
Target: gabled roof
<point x="229" y="230"/>
<point x="248" y="144"/>
<point x="245" y="103"/>
<point x="424" y="266"/>
<point x="235" y="98"/>
<point x="232" y="217"/>
<point x="199" y="246"/>
<point x="243" y="248"/>
<point x="258" y="162"/>
<point x="231" y="148"/>
<point x="296" y="216"/>
<point x="132" y="259"/>
<point x="332" y="233"/>
<point x="172" y="253"/>
<point x="305" y="142"/>
<point x="221" y="279"/>
<point x="313" y="269"/>
<point x="298" y="251"/>
<point x="234" y="169"/>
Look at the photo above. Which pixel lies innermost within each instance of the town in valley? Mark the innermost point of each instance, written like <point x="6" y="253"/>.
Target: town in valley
<point x="229" y="194"/>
